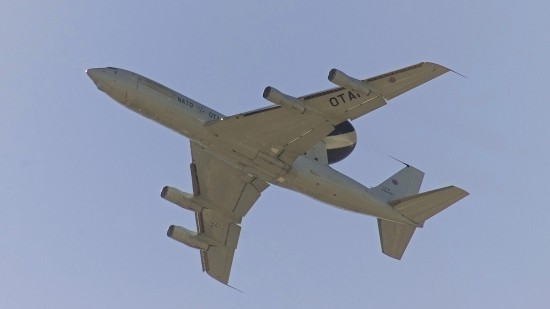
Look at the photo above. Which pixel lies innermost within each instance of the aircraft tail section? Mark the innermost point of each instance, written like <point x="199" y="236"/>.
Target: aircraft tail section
<point x="406" y="182"/>
<point x="394" y="237"/>
<point x="421" y="207"/>
<point x="400" y="191"/>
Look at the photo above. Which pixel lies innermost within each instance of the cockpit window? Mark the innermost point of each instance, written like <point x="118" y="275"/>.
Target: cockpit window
<point x="112" y="68"/>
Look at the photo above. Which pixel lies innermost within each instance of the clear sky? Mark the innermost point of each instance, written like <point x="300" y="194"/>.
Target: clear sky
<point x="82" y="224"/>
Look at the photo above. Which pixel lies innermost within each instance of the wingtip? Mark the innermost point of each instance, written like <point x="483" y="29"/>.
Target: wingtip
<point x="461" y="192"/>
<point x="446" y="68"/>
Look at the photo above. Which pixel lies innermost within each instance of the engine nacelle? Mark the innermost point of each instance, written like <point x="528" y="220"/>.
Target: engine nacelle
<point x="182" y="199"/>
<point x="341" y="79"/>
<point x="187" y="237"/>
<point x="276" y="97"/>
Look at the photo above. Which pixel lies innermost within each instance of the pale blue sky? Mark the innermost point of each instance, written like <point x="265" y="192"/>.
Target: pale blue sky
<point x="82" y="224"/>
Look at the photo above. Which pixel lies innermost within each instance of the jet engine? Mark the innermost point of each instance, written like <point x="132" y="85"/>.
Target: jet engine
<point x="341" y="79"/>
<point x="187" y="237"/>
<point x="340" y="142"/>
<point x="276" y="97"/>
<point x="182" y="199"/>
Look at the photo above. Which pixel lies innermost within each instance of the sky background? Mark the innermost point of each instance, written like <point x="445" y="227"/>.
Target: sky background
<point x="82" y="224"/>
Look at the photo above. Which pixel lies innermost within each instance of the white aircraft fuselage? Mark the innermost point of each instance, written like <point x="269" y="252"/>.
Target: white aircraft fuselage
<point x="190" y="118"/>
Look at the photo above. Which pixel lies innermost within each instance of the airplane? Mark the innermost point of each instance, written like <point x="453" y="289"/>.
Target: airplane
<point x="290" y="144"/>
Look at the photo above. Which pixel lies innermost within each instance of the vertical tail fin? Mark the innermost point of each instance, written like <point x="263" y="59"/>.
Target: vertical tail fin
<point x="404" y="183"/>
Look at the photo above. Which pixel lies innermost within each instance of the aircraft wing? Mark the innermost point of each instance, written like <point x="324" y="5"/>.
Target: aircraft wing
<point x="285" y="133"/>
<point x="227" y="194"/>
<point x="345" y="103"/>
<point x="273" y="132"/>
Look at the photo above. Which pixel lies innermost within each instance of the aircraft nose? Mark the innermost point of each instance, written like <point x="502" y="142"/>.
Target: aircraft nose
<point x="98" y="77"/>
<point x="93" y="74"/>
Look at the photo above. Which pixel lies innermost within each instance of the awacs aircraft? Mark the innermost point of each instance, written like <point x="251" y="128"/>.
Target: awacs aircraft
<point x="290" y="144"/>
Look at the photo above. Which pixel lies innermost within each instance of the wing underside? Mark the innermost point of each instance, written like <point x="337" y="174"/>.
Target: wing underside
<point x="228" y="194"/>
<point x="276" y="132"/>
<point x="343" y="102"/>
<point x="285" y="133"/>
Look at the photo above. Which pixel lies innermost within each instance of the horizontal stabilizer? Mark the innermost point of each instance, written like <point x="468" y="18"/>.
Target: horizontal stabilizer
<point x="423" y="206"/>
<point x="394" y="237"/>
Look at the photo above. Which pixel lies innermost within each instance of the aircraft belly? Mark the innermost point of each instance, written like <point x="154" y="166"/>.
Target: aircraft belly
<point x="334" y="188"/>
<point x="165" y="111"/>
